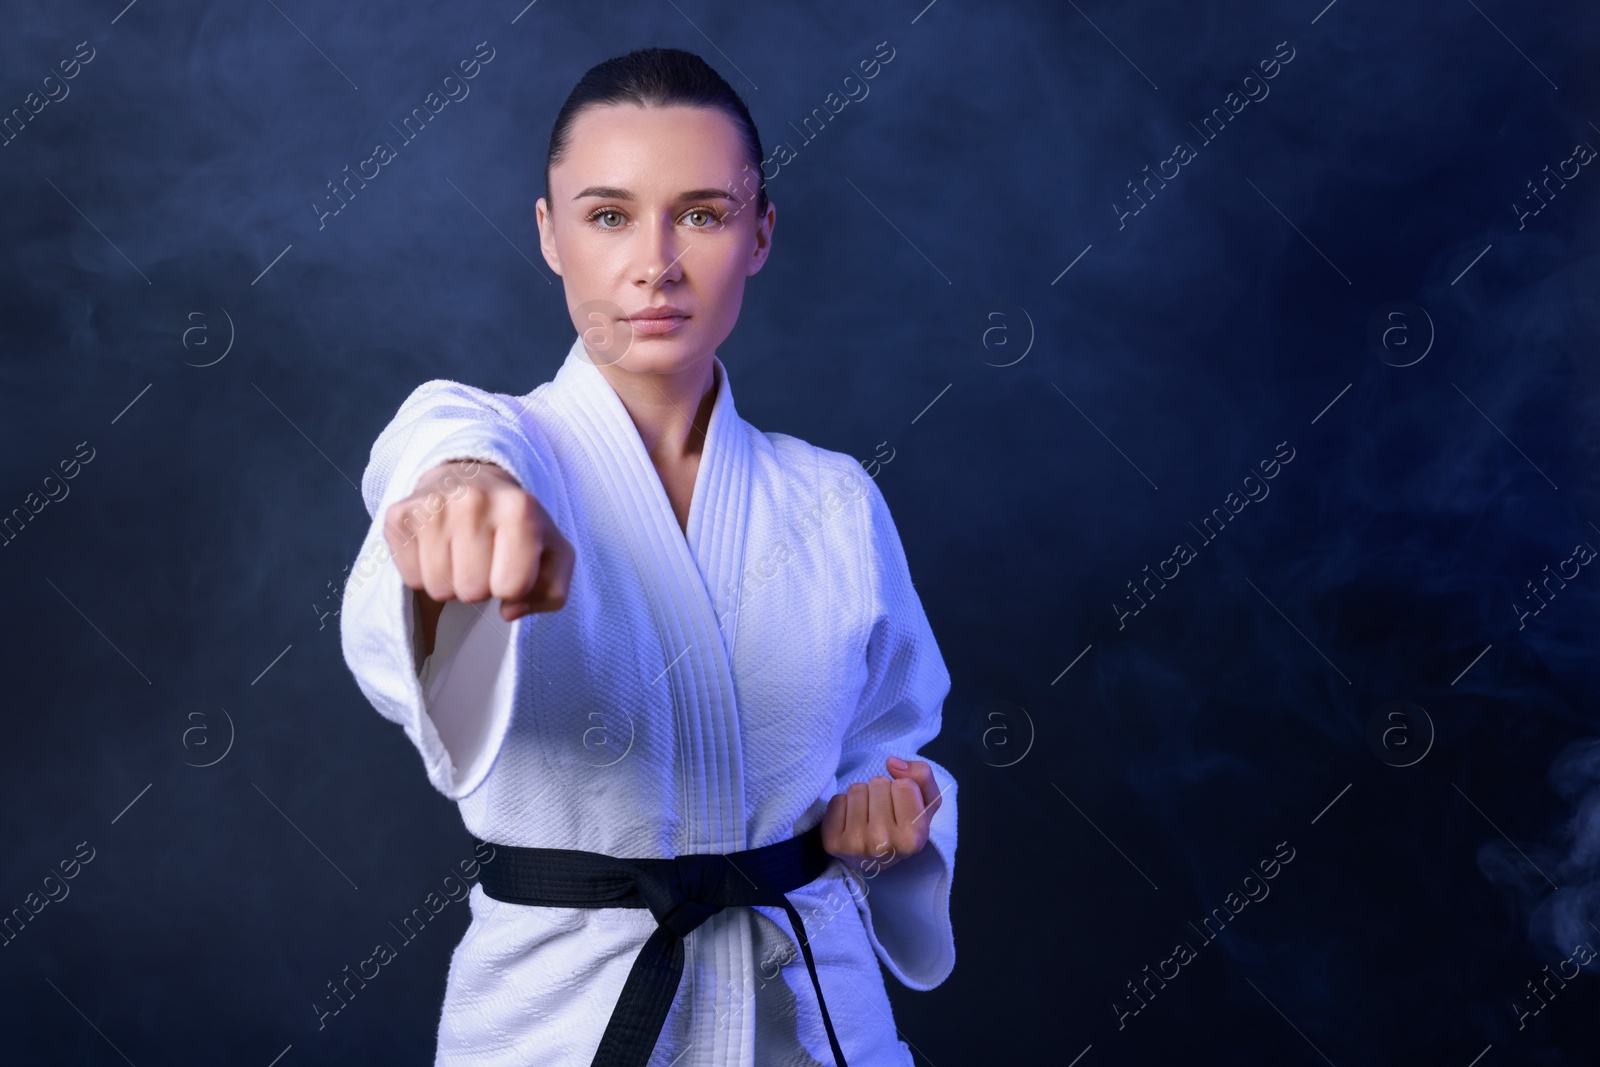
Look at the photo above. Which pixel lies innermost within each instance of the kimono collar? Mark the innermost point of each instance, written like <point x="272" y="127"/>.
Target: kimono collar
<point x="722" y="480"/>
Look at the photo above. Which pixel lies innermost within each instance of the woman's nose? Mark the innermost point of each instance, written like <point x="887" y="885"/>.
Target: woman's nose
<point x="658" y="254"/>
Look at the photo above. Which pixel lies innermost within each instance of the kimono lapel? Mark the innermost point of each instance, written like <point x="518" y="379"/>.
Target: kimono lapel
<point x="719" y="508"/>
<point x="680" y="570"/>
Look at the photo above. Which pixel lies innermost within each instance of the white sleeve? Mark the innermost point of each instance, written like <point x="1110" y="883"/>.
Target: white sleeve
<point x="905" y="907"/>
<point x="458" y="708"/>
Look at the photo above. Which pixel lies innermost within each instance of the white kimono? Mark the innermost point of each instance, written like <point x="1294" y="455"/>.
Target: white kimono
<point x="706" y="691"/>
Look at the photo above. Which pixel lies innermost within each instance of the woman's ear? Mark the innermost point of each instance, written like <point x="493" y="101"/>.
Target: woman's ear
<point x="547" y="234"/>
<point x="764" y="227"/>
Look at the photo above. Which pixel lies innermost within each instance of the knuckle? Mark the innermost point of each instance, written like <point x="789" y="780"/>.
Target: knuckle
<point x="399" y="524"/>
<point x="462" y="500"/>
<point x="511" y="502"/>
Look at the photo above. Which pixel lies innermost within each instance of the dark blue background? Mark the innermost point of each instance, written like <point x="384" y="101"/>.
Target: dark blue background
<point x="176" y="595"/>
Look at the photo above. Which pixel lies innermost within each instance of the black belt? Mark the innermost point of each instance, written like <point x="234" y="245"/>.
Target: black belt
<point x="681" y="893"/>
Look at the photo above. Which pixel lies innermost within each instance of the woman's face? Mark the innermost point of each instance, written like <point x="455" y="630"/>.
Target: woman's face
<point x="653" y="207"/>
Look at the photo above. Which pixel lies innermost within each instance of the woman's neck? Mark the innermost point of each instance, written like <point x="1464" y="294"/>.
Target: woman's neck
<point x="672" y="412"/>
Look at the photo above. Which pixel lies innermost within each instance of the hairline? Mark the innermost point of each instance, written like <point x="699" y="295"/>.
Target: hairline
<point x="724" y="110"/>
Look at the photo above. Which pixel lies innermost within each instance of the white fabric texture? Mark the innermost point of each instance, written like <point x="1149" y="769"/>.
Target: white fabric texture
<point x="705" y="690"/>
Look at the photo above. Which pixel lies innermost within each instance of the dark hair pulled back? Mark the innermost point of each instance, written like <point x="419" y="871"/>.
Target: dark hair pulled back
<point x="657" y="77"/>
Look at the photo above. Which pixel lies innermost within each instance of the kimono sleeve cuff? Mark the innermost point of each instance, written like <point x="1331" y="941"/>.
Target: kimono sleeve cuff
<point x="906" y="907"/>
<point x="469" y="688"/>
<point x="378" y="623"/>
<point x="493" y="444"/>
<point x="465" y="698"/>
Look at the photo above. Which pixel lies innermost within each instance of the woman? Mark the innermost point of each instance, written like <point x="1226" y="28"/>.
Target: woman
<point x="707" y="645"/>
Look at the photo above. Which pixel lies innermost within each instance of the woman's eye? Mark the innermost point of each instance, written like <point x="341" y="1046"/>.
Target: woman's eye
<point x="707" y="218"/>
<point x="711" y="217"/>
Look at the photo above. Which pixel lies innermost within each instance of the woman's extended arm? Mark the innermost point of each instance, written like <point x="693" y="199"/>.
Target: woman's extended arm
<point x="420" y="504"/>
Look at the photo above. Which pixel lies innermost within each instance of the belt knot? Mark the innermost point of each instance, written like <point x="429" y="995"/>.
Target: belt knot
<point x="685" y="891"/>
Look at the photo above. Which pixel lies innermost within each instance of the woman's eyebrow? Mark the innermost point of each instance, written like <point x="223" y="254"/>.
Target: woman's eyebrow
<point x="612" y="192"/>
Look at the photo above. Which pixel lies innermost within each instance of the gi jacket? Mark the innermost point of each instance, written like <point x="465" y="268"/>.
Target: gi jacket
<point x="704" y="690"/>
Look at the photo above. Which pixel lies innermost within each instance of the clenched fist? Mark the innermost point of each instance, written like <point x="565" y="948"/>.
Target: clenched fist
<point x="469" y="532"/>
<point x="874" y="825"/>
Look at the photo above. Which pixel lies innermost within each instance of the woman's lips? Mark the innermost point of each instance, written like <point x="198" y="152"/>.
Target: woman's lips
<point x="656" y="326"/>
